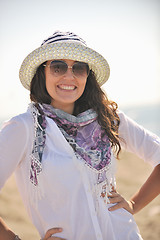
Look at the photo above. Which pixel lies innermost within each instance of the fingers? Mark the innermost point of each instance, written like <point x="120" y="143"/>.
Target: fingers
<point x="52" y="231"/>
<point x="120" y="202"/>
<point x="115" y="197"/>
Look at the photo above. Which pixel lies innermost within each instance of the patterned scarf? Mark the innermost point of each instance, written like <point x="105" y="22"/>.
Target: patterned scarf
<point x="82" y="132"/>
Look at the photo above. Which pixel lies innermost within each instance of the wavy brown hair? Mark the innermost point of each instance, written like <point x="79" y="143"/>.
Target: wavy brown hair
<point x="92" y="97"/>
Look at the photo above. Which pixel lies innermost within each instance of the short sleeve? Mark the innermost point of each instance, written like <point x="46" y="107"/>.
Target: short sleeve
<point x="139" y="141"/>
<point x="13" y="141"/>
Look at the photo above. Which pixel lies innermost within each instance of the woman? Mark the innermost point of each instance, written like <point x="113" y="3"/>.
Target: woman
<point x="66" y="147"/>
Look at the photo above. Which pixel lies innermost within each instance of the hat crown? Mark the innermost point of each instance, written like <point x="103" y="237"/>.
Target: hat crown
<point x="63" y="37"/>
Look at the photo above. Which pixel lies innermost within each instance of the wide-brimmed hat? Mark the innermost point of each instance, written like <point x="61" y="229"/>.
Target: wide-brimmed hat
<point x="64" y="45"/>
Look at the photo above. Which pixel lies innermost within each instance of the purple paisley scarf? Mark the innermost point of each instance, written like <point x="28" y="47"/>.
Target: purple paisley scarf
<point x="82" y="132"/>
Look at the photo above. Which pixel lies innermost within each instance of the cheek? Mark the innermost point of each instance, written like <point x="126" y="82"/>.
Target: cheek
<point x="50" y="86"/>
<point x="49" y="81"/>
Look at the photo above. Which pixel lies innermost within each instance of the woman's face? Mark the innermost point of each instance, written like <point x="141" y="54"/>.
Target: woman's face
<point x="65" y="89"/>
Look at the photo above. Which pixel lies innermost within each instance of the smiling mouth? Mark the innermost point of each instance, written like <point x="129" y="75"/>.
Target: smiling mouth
<point x="66" y="87"/>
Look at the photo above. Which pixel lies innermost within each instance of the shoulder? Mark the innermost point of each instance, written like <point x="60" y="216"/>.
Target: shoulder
<point x="125" y="120"/>
<point x="122" y="115"/>
<point x="19" y="123"/>
<point x="128" y="128"/>
<point x="24" y="118"/>
<point x="21" y="118"/>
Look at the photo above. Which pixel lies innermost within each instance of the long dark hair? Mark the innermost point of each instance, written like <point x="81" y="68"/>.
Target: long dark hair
<point x="92" y="97"/>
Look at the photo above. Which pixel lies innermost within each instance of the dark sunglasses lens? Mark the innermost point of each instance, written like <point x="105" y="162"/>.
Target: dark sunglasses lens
<point x="80" y="69"/>
<point x="58" y="67"/>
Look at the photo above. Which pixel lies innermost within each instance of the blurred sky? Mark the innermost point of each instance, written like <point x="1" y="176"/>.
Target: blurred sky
<point x="125" y="32"/>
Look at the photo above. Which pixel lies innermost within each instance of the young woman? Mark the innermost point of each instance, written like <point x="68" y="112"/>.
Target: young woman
<point x="64" y="148"/>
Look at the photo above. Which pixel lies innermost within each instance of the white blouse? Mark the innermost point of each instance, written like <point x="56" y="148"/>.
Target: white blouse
<point x="68" y="195"/>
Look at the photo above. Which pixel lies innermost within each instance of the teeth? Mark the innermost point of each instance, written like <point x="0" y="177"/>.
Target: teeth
<point x="67" y="87"/>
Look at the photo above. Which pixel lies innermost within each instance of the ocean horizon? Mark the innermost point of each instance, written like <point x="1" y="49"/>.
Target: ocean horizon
<point x="147" y="116"/>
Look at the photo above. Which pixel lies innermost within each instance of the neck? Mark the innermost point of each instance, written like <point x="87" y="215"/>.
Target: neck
<point x="68" y="108"/>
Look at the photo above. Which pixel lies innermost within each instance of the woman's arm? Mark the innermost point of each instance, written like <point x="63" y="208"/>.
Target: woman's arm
<point x="12" y="145"/>
<point x="5" y="232"/>
<point x="146" y="146"/>
<point x="149" y="190"/>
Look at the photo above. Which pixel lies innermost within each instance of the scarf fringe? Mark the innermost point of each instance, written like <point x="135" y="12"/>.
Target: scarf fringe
<point x="36" y="193"/>
<point x="101" y="186"/>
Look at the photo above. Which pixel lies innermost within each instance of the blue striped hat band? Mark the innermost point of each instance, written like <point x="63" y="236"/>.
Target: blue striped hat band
<point x="63" y="36"/>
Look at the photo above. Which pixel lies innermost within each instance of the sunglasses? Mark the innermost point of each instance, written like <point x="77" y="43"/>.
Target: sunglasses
<point x="59" y="68"/>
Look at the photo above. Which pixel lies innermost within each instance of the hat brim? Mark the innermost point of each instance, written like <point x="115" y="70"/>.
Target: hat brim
<point x="64" y="50"/>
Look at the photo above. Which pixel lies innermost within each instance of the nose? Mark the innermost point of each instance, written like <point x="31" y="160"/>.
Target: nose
<point x="69" y="74"/>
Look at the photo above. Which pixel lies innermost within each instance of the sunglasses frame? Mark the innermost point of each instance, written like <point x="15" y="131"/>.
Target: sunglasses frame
<point x="70" y="67"/>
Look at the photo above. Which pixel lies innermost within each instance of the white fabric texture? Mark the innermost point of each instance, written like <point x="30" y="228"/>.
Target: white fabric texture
<point x="68" y="195"/>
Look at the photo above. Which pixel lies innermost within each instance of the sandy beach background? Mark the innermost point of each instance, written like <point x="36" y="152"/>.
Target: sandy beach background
<point x="132" y="172"/>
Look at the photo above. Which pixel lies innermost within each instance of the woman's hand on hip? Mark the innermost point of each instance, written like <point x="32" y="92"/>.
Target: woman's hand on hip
<point x="120" y="202"/>
<point x="49" y="234"/>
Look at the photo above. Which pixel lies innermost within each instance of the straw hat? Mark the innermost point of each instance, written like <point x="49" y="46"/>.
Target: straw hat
<point x="63" y="45"/>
